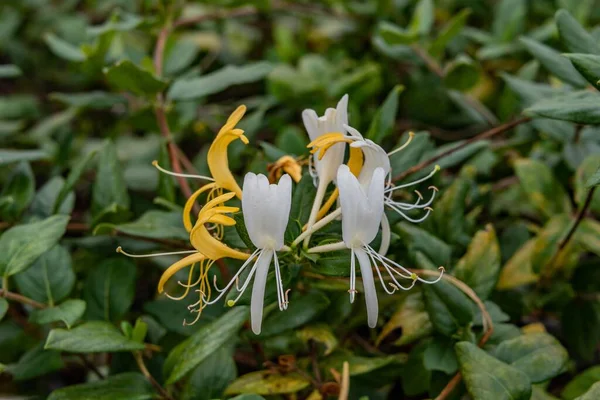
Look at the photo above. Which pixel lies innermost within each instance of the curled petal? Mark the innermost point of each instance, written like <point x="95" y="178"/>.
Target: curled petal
<point x="173" y="269"/>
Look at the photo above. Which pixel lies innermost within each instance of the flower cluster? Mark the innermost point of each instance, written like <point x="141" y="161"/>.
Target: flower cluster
<point x="363" y="188"/>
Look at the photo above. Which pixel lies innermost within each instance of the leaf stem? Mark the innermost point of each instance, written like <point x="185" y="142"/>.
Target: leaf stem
<point x="140" y="362"/>
<point x="20" y="298"/>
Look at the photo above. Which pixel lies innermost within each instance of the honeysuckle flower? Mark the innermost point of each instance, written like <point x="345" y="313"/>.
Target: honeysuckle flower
<point x="207" y="249"/>
<point x="287" y="164"/>
<point x="266" y="209"/>
<point x="218" y="164"/>
<point x="362" y="210"/>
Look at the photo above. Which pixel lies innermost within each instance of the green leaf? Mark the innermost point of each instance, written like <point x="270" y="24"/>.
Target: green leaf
<point x="18" y="251"/>
<point x="547" y="242"/>
<point x="411" y="318"/>
<point x="539" y="355"/>
<point x="588" y="66"/>
<point x="586" y="177"/>
<point x="319" y="333"/>
<point x="439" y="356"/>
<point x="448" y="32"/>
<point x="588" y="235"/>
<point x="461" y="74"/>
<point x="109" y="189"/>
<point x="423" y="18"/>
<point x="215" y="82"/>
<point x="96" y="100"/>
<point x="76" y="171"/>
<point x="393" y="35"/>
<point x="509" y="19"/>
<point x="594" y="180"/>
<point x="448" y="221"/>
<point x="19" y="106"/>
<point x="554" y="62"/>
<point x="51" y="277"/>
<point x="573" y="35"/>
<point x="581" y="327"/>
<point x="580" y="107"/>
<point x="10" y="71"/>
<point x="545" y="193"/>
<point x="20" y="186"/>
<point x="302" y="199"/>
<point x="416" y="379"/>
<point x="127" y="76"/>
<point x="480" y="266"/>
<point x="91" y="337"/>
<point x="191" y="352"/>
<point x="419" y="240"/>
<point x="170" y="314"/>
<point x="3" y="307"/>
<point x="126" y="386"/>
<point x="301" y="310"/>
<point x="36" y="362"/>
<point x="449" y="309"/>
<point x="384" y="120"/>
<point x="581" y="383"/>
<point x="68" y="312"/>
<point x="358" y="365"/>
<point x="212" y="376"/>
<point x="109" y="289"/>
<point x="64" y="49"/>
<point x="152" y="224"/>
<point x="518" y="270"/>
<point x="486" y="377"/>
<point x="592" y="394"/>
<point x="46" y="198"/>
<point x="268" y="383"/>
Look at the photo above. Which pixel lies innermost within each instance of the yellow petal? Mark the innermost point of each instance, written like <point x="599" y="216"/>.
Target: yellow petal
<point x="189" y="204"/>
<point x="355" y="161"/>
<point x="324" y="142"/>
<point x="207" y="244"/>
<point x="172" y="270"/>
<point x="289" y="165"/>
<point x="328" y="204"/>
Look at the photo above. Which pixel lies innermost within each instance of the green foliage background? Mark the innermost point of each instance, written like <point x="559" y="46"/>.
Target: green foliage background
<point x="516" y="219"/>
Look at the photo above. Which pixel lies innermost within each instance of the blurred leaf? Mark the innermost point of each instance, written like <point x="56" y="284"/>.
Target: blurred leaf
<point x="461" y="74"/>
<point x="448" y="32"/>
<point x="68" y="312"/>
<point x="358" y="365"/>
<point x="539" y="355"/>
<point x="10" y="71"/>
<point x="212" y="376"/>
<point x="449" y="309"/>
<point x="588" y="235"/>
<point x="64" y="49"/>
<point x="36" y="362"/>
<point x="554" y="62"/>
<point x="547" y="242"/>
<point x="109" y="289"/>
<point x="109" y="193"/>
<point x="91" y="337"/>
<point x="127" y="76"/>
<point x="509" y="19"/>
<point x="591" y="394"/>
<point x="18" y="106"/>
<point x="46" y="127"/>
<point x="581" y="327"/>
<point x="76" y="171"/>
<point x="96" y="100"/>
<point x="419" y="240"/>
<point x="20" y="187"/>
<point x="126" y="386"/>
<point x="487" y="377"/>
<point x="166" y="184"/>
<point x="480" y="266"/>
<point x="319" y="333"/>
<point x="423" y="18"/>
<point x="170" y="314"/>
<point x="18" y="251"/>
<point x="192" y="351"/>
<point x="545" y="193"/>
<point x="588" y="66"/>
<point x="152" y="224"/>
<point x="411" y="318"/>
<point x="3" y="307"/>
<point x="518" y="270"/>
<point x="268" y="383"/>
<point x="586" y="177"/>
<point x="215" y="82"/>
<point x="302" y="199"/>
<point x="579" y="107"/>
<point x="47" y="198"/>
<point x="581" y="383"/>
<point x="50" y="279"/>
<point x="394" y="35"/>
<point x="573" y="35"/>
<point x="416" y="379"/>
<point x="448" y="220"/>
<point x="439" y="356"/>
<point x="384" y="120"/>
<point x="301" y="310"/>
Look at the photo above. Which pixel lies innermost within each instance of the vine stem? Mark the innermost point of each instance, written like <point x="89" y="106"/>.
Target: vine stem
<point x="578" y="219"/>
<point x="484" y="135"/>
<point x="139" y="359"/>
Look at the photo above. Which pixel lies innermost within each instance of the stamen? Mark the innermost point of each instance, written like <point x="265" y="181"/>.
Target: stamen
<point x="166" y="171"/>
<point x="120" y="250"/>
<point x="439" y="278"/>
<point x="435" y="169"/>
<point x="411" y="135"/>
<point x="393" y="206"/>
<point x="187" y="287"/>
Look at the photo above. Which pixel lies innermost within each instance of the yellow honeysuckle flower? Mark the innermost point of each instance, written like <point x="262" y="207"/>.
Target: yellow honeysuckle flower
<point x="286" y="164"/>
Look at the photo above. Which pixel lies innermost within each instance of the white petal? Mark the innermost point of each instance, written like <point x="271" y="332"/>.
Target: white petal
<point x="309" y="117"/>
<point x="284" y="204"/>
<point x="250" y="193"/>
<point x="258" y="290"/>
<point x="385" y="235"/>
<point x="369" y="287"/>
<point x="342" y="112"/>
<point x="350" y="193"/>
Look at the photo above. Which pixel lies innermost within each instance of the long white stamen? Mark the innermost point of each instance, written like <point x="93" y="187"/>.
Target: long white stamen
<point x="384" y="260"/>
<point x="379" y="274"/>
<point x="233" y="280"/>
<point x="390" y="270"/>
<point x="417" y="204"/>
<point x="120" y="250"/>
<point x="327" y="248"/>
<point x="283" y="304"/>
<point x="436" y="169"/>
<point x="413" y="220"/>
<point x="166" y="171"/>
<point x="411" y="135"/>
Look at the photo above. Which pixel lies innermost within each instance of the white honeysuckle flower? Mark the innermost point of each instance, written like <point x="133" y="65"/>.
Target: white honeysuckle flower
<point x="333" y="121"/>
<point x="362" y="211"/>
<point x="266" y="209"/>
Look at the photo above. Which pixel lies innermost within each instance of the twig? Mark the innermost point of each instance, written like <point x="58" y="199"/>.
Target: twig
<point x="485" y="135"/>
<point x="345" y="385"/>
<point x="140" y="362"/>
<point x="90" y="365"/>
<point x="578" y="219"/>
<point x="22" y="299"/>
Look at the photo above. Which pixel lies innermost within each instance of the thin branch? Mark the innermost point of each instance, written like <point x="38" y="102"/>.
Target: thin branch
<point x="485" y="135"/>
<point x="21" y="299"/>
<point x="140" y="362"/>
<point x="91" y="366"/>
<point x="578" y="219"/>
<point x="345" y="384"/>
